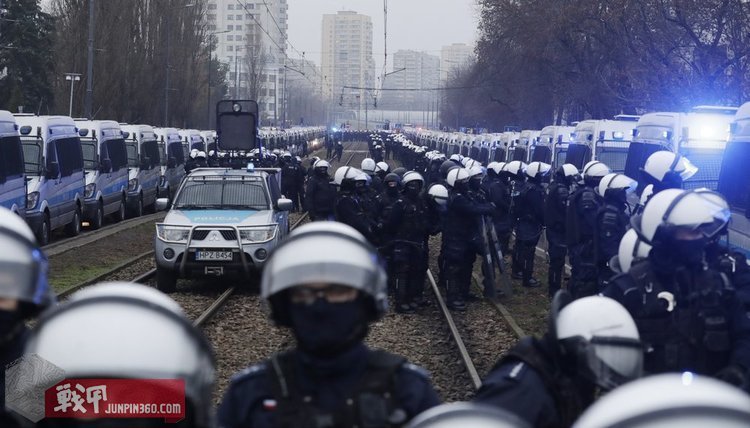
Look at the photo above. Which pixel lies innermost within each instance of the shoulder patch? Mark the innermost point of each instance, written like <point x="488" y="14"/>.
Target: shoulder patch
<point x="249" y="373"/>
<point x="413" y="368"/>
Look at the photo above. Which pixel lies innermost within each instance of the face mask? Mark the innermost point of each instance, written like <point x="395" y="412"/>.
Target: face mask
<point x="475" y="183"/>
<point x="413" y="190"/>
<point x="391" y="191"/>
<point x="689" y="253"/>
<point x="10" y="322"/>
<point x="327" y="329"/>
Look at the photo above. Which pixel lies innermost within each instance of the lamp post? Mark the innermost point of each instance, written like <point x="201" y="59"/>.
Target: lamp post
<point x="73" y="77"/>
<point x="210" y="56"/>
<point x="169" y="42"/>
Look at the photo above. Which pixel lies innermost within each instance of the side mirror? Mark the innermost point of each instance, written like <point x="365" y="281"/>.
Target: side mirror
<point x="53" y="170"/>
<point x="172" y="162"/>
<point x="635" y="132"/>
<point x="106" y="165"/>
<point x="162" y="204"/>
<point x="590" y="137"/>
<point x="284" y="204"/>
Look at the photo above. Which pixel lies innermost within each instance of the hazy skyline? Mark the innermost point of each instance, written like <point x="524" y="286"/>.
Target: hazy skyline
<point x="422" y="25"/>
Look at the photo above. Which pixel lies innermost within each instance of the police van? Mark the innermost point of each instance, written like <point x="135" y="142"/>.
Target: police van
<point x="12" y="178"/>
<point x="223" y="221"/>
<point x="105" y="161"/>
<point x="172" y="161"/>
<point x="144" y="172"/>
<point x="551" y="145"/>
<point x="734" y="179"/>
<point x="700" y="135"/>
<point x="606" y="141"/>
<point x="53" y="163"/>
<point x="191" y="140"/>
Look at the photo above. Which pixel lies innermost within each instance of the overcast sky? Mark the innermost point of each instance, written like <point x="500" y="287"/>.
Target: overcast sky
<point x="424" y="25"/>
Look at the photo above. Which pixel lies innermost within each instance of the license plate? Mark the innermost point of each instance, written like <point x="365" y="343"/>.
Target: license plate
<point x="220" y="256"/>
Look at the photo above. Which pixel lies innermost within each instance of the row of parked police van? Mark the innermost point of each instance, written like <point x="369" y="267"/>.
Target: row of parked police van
<point x="58" y="172"/>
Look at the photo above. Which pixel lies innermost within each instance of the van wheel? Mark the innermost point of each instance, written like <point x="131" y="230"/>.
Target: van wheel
<point x="74" y="227"/>
<point x="138" y="210"/>
<point x="98" y="220"/>
<point x="44" y="232"/>
<point x="120" y="214"/>
<point x="166" y="280"/>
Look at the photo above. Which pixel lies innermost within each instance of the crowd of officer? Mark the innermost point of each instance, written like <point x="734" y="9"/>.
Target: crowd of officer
<point x="670" y="304"/>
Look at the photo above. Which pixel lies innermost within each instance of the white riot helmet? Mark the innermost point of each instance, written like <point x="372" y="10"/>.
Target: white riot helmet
<point x="567" y="173"/>
<point x="348" y="260"/>
<point x="412" y="176"/>
<point x="616" y="181"/>
<point x="669" y="168"/>
<point x="631" y="248"/>
<point x="368" y="165"/>
<point x="684" y="400"/>
<point x="648" y="191"/>
<point x="439" y="194"/>
<point x="201" y="155"/>
<point x="495" y="167"/>
<point x="457" y="175"/>
<point x="286" y="156"/>
<point x="129" y="331"/>
<point x="594" y="171"/>
<point x="193" y="153"/>
<point x="382" y="167"/>
<point x="599" y="336"/>
<point x="515" y="167"/>
<point x="321" y="163"/>
<point x="23" y="266"/>
<point x="456" y="158"/>
<point x="537" y="169"/>
<point x="475" y="171"/>
<point x="345" y="173"/>
<point x="466" y="414"/>
<point x="671" y="209"/>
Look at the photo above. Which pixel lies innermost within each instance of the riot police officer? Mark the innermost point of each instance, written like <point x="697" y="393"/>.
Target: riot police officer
<point x="580" y="224"/>
<point x="320" y="194"/>
<point x="290" y="178"/>
<point x="555" y="205"/>
<point x="24" y="292"/>
<point x="632" y="250"/>
<point x="592" y="343"/>
<point x="301" y="178"/>
<point x="331" y="378"/>
<point x="688" y="314"/>
<point x="369" y="166"/>
<point x="349" y="208"/>
<point x="667" y="170"/>
<point x="339" y="151"/>
<point x="127" y="331"/>
<point x="528" y="211"/>
<point x="496" y="188"/>
<point x="459" y="232"/>
<point x="612" y="221"/>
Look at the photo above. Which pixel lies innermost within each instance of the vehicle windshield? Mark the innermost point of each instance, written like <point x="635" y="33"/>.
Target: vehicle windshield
<point x="162" y="154"/>
<point x="743" y="128"/>
<point x="223" y="194"/>
<point x="11" y="162"/>
<point x="653" y="132"/>
<point x="90" y="157"/>
<point x="32" y="155"/>
<point x="132" y="149"/>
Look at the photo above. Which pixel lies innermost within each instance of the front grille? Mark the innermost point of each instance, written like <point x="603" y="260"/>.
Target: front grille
<point x="229" y="235"/>
<point x="199" y="235"/>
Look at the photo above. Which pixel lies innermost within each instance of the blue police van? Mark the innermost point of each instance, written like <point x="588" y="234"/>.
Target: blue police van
<point x="105" y="161"/>
<point x="144" y="171"/>
<point x="12" y="178"/>
<point x="53" y="163"/>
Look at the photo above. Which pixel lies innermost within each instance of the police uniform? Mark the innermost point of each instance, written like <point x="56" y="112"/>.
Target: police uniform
<point x="529" y="214"/>
<point x="362" y="388"/>
<point x="583" y="206"/>
<point x="290" y="181"/>
<point x="612" y="222"/>
<point x="320" y="197"/>
<point x="351" y="211"/>
<point x="554" y="215"/>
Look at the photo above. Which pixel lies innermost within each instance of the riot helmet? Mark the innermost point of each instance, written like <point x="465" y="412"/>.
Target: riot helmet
<point x="327" y="297"/>
<point x="597" y="338"/>
<point x="515" y="168"/>
<point x="447" y="166"/>
<point x="439" y="194"/>
<point x="467" y="414"/>
<point x="413" y="182"/>
<point x="400" y="171"/>
<point x="381" y="168"/>
<point x="321" y="167"/>
<point x="616" y="186"/>
<point x="537" y="170"/>
<point x="632" y="248"/>
<point x="567" y="174"/>
<point x="457" y="177"/>
<point x="368" y="165"/>
<point x="667" y="170"/>
<point x="593" y="172"/>
<point x="684" y="400"/>
<point x="128" y="331"/>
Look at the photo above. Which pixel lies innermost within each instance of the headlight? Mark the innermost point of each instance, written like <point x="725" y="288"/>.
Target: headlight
<point x="89" y="191"/>
<point x="172" y="233"/>
<point x="31" y="200"/>
<point x="132" y="184"/>
<point x="258" y="234"/>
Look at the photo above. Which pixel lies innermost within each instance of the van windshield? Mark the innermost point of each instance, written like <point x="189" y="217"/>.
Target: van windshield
<point x="90" y="157"/>
<point x="162" y="153"/>
<point x="223" y="194"/>
<point x="132" y="149"/>
<point x="653" y="132"/>
<point x="32" y="156"/>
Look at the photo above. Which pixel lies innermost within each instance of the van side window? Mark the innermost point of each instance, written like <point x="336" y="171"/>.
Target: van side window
<point x="175" y="151"/>
<point x="11" y="157"/>
<point x="69" y="155"/>
<point x="150" y="149"/>
<point x="117" y="153"/>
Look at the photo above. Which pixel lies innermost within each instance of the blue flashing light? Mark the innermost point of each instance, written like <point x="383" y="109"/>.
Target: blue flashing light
<point x="250" y="167"/>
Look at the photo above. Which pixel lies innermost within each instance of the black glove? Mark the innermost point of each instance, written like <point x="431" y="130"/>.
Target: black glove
<point x="733" y="374"/>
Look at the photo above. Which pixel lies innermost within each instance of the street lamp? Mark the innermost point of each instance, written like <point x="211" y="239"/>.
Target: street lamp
<point x="210" y="55"/>
<point x="169" y="42"/>
<point x="73" y="77"/>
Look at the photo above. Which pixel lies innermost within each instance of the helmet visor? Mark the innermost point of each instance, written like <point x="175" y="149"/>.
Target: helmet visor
<point x="689" y="169"/>
<point x="607" y="361"/>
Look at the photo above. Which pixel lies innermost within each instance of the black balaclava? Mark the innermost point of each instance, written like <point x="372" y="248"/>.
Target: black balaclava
<point x="412" y="189"/>
<point x="321" y="172"/>
<point x="475" y="183"/>
<point x="326" y="329"/>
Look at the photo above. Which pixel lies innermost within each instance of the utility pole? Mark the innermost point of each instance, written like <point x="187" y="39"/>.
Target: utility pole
<point x="73" y="77"/>
<point x="88" y="103"/>
<point x="210" y="58"/>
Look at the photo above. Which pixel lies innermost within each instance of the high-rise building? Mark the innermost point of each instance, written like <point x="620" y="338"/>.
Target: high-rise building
<point x="453" y="57"/>
<point x="255" y="58"/>
<point x="347" y="58"/>
<point x="410" y="85"/>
